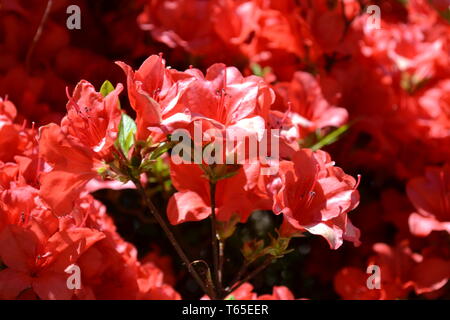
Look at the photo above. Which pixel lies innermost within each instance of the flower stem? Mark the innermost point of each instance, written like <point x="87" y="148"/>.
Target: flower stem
<point x="215" y="241"/>
<point x="251" y="275"/>
<point x="38" y="33"/>
<point x="172" y="239"/>
<point x="221" y="258"/>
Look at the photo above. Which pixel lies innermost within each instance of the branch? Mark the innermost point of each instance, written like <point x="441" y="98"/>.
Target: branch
<point x="172" y="238"/>
<point x="215" y="241"/>
<point x="38" y="33"/>
<point x="251" y="275"/>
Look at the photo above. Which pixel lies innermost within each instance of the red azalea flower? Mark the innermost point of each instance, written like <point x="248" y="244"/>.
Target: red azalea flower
<point x="14" y="139"/>
<point x="315" y="196"/>
<point x="192" y="201"/>
<point x="77" y="148"/>
<point x="401" y="271"/>
<point x="40" y="263"/>
<point x="306" y="106"/>
<point x="153" y="91"/>
<point x="430" y="195"/>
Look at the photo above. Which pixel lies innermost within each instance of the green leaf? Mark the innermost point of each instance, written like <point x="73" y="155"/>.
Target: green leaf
<point x="162" y="148"/>
<point x="127" y="131"/>
<point x="259" y="71"/>
<point x="445" y="14"/>
<point x="331" y="137"/>
<point x="106" y="88"/>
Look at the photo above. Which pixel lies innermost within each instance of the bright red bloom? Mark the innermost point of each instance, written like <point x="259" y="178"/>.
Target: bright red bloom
<point x="192" y="202"/>
<point x="77" y="148"/>
<point x="315" y="196"/>
<point x="39" y="263"/>
<point x="153" y="91"/>
<point x="228" y="106"/>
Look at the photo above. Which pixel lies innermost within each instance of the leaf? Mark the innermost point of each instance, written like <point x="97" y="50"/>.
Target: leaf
<point x="106" y="88"/>
<point x="259" y="71"/>
<point x="163" y="148"/>
<point x="127" y="131"/>
<point x="331" y="137"/>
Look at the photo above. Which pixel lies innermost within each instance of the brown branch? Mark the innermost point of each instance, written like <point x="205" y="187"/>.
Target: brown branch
<point x="38" y="33"/>
<point x="214" y="240"/>
<point x="172" y="239"/>
<point x="250" y="276"/>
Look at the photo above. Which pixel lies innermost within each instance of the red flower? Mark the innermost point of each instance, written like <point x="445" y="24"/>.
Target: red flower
<point x="192" y="201"/>
<point x="227" y="99"/>
<point x="306" y="105"/>
<point x="153" y="91"/>
<point x="152" y="286"/>
<point x="245" y="292"/>
<point x="401" y="271"/>
<point x="77" y="148"/>
<point x="278" y="293"/>
<point x="430" y="196"/>
<point x="14" y="139"/>
<point x="39" y="263"/>
<point x="315" y="196"/>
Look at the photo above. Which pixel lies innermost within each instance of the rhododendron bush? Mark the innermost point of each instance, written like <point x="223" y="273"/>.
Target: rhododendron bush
<point x="225" y="149"/>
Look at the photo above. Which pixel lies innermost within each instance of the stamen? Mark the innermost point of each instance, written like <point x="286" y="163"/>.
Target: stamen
<point x="90" y="125"/>
<point x="24" y="124"/>
<point x="311" y="192"/>
<point x="357" y="182"/>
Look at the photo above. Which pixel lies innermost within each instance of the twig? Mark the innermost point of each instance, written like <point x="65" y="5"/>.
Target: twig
<point x="251" y="275"/>
<point x="38" y="33"/>
<point x="214" y="240"/>
<point x="172" y="238"/>
<point x="221" y="258"/>
<point x="238" y="276"/>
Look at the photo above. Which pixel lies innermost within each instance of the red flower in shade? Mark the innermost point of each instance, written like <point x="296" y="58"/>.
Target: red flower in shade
<point x="401" y="271"/>
<point x="77" y="148"/>
<point x="430" y="195"/>
<point x="192" y="201"/>
<point x="351" y="284"/>
<point x="37" y="261"/>
<point x="152" y="286"/>
<point x="113" y="258"/>
<point x="14" y="139"/>
<point x="278" y="293"/>
<point x="315" y="196"/>
<point x="8" y="112"/>
<point x="245" y="292"/>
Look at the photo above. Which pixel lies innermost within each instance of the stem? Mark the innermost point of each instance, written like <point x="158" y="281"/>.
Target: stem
<point x="38" y="33"/>
<point x="221" y="258"/>
<point x="172" y="238"/>
<point x="251" y="275"/>
<point x="238" y="276"/>
<point x="215" y="240"/>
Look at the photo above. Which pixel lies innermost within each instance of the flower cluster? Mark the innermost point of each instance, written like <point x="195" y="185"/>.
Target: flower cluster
<point x="285" y="129"/>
